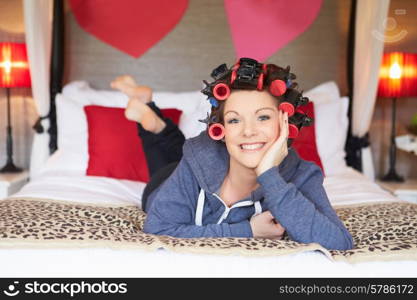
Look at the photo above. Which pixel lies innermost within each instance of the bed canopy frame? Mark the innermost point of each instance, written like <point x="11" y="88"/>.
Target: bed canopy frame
<point x="353" y="144"/>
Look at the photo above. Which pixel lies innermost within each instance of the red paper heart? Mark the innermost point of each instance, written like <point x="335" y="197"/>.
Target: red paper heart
<point x="131" y="26"/>
<point x="260" y="28"/>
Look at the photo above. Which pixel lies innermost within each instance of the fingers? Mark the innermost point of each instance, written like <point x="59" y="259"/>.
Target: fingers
<point x="284" y="128"/>
<point x="268" y="215"/>
<point x="263" y="226"/>
<point x="279" y="228"/>
<point x="285" y="124"/>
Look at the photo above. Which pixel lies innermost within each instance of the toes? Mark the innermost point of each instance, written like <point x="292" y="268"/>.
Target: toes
<point x="113" y="84"/>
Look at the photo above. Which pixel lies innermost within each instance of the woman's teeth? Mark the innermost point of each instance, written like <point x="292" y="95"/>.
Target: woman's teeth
<point x="252" y="146"/>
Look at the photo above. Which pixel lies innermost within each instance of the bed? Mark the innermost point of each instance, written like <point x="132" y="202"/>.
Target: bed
<point x="74" y="220"/>
<point x="80" y="216"/>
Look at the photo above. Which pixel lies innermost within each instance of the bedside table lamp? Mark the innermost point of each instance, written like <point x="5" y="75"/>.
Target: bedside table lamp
<point x="14" y="72"/>
<point x="397" y="79"/>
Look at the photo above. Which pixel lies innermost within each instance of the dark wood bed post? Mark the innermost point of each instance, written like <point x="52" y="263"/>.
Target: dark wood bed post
<point x="57" y="67"/>
<point x="353" y="144"/>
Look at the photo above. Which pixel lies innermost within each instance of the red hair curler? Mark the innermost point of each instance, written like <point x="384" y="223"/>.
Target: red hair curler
<point x="236" y="66"/>
<point x="292" y="131"/>
<point x="300" y="111"/>
<point x="234" y="72"/>
<point x="287" y="107"/>
<point x="221" y="91"/>
<point x="260" y="82"/>
<point x="261" y="78"/>
<point x="277" y="87"/>
<point x="233" y="76"/>
<point x="216" y="131"/>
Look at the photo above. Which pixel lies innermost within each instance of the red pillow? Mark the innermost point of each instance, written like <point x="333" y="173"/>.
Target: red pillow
<point x="305" y="143"/>
<point x="114" y="146"/>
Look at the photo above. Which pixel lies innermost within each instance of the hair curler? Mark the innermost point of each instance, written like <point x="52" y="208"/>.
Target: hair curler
<point x="292" y="131"/>
<point x="298" y="120"/>
<point x="260" y="84"/>
<point x="221" y="91"/>
<point x="292" y="99"/>
<point x="277" y="87"/>
<point x="216" y="131"/>
<point x="287" y="107"/>
<point x="295" y="97"/>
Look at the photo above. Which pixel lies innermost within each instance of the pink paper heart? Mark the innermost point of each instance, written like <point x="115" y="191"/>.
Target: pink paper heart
<point x="262" y="27"/>
<point x="131" y="26"/>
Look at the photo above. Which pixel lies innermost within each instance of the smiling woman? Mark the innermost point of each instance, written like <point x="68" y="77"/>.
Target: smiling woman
<point x="238" y="178"/>
<point x="251" y="127"/>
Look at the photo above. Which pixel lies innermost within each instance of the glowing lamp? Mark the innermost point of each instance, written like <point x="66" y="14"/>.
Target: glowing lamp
<point x="397" y="79"/>
<point x="14" y="72"/>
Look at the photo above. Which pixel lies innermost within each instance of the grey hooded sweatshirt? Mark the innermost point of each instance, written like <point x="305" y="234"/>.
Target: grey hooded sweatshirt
<point x="293" y="192"/>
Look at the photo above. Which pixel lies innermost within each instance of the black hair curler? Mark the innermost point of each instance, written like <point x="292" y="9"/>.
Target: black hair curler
<point x="280" y="80"/>
<point x="295" y="123"/>
<point x="219" y="88"/>
<point x="298" y="120"/>
<point x="292" y="99"/>
<point x="219" y="72"/>
<point x="295" y="97"/>
<point x="247" y="74"/>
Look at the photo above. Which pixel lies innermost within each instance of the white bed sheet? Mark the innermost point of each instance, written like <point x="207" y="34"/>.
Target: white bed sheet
<point x="352" y="187"/>
<point x="349" y="187"/>
<point x="136" y="263"/>
<point x="69" y="186"/>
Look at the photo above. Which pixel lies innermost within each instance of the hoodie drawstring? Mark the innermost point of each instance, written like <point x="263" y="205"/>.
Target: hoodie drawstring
<point x="200" y="206"/>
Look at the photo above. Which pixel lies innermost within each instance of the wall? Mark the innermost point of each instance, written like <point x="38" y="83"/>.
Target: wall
<point x="402" y="18"/>
<point x="200" y="42"/>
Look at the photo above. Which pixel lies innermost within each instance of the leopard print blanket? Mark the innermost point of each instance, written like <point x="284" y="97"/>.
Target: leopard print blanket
<point x="381" y="231"/>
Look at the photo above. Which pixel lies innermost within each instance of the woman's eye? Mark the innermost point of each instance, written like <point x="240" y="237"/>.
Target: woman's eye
<point x="232" y="121"/>
<point x="264" y="117"/>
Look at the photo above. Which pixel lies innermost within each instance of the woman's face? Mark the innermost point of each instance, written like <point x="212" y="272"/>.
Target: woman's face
<point x="251" y="126"/>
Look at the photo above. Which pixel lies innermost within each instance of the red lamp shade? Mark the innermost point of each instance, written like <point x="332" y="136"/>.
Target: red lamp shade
<point x="398" y="75"/>
<point x="14" y="67"/>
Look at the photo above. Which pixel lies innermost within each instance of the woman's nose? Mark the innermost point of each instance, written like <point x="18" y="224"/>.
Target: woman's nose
<point x="249" y="129"/>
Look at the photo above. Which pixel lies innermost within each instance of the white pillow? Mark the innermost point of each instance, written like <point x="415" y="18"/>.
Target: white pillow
<point x="81" y="92"/>
<point x="187" y="102"/>
<point x="331" y="125"/>
<point x="72" y="153"/>
<point x="192" y="104"/>
<point x="325" y="92"/>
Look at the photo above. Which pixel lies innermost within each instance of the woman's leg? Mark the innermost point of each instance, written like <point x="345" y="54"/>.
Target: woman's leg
<point x="164" y="147"/>
<point x="161" y="139"/>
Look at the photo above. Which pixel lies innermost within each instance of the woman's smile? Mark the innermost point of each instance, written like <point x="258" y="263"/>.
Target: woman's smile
<point x="251" y="147"/>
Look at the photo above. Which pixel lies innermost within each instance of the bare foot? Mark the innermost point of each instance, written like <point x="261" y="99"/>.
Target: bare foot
<point x="127" y="85"/>
<point x="139" y="112"/>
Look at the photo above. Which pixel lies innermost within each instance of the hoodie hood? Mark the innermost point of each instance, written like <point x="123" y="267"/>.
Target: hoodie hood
<point x="209" y="161"/>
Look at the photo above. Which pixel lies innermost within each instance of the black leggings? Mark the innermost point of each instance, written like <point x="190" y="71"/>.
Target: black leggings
<point x="163" y="151"/>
